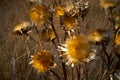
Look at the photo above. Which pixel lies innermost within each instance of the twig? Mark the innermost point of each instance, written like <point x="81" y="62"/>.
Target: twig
<point x="51" y="23"/>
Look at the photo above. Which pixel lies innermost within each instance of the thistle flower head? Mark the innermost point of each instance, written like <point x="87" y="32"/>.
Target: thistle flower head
<point x="77" y="49"/>
<point x="108" y="4"/>
<point x="95" y="36"/>
<point x="22" y="28"/>
<point x="39" y="14"/>
<point x="70" y="22"/>
<point x="60" y="11"/>
<point x="41" y="61"/>
<point x="48" y="34"/>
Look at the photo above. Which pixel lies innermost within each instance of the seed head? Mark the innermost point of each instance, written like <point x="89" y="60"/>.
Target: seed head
<point x="60" y="11"/>
<point x="39" y="14"/>
<point x="63" y="9"/>
<point x="76" y="50"/>
<point x="41" y="61"/>
<point x="23" y="28"/>
<point x="106" y="4"/>
<point x="70" y="22"/>
<point x="47" y="34"/>
<point x="95" y="36"/>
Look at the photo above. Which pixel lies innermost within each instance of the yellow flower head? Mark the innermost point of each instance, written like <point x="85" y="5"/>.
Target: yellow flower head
<point x="95" y="36"/>
<point x="48" y="34"/>
<point x="60" y="11"/>
<point x="70" y="22"/>
<point x="117" y="38"/>
<point x="22" y="28"/>
<point x="39" y="14"/>
<point x="77" y="49"/>
<point x="108" y="4"/>
<point x="41" y="61"/>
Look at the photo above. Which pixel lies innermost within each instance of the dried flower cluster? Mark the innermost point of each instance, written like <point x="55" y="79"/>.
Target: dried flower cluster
<point x="70" y="13"/>
<point x="76" y="48"/>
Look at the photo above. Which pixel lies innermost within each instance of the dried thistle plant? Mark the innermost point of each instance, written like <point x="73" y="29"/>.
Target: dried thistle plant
<point x="77" y="48"/>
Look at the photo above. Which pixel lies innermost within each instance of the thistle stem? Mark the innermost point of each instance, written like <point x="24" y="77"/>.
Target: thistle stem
<point x="40" y="43"/>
